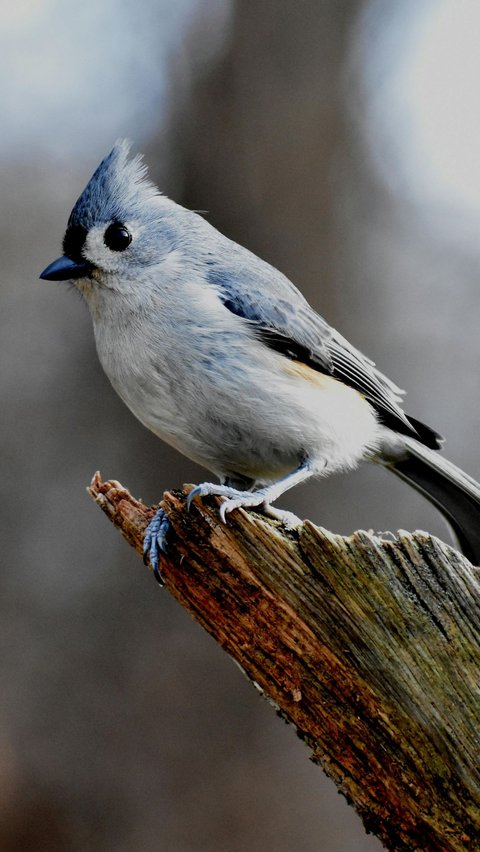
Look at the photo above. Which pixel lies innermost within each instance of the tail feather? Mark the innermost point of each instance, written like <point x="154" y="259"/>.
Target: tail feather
<point x="451" y="490"/>
<point x="426" y="435"/>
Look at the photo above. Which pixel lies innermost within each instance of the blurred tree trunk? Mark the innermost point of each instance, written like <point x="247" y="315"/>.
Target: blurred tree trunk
<point x="262" y="130"/>
<point x="371" y="648"/>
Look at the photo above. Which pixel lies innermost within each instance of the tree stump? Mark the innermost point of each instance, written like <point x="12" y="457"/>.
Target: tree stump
<point x="369" y="647"/>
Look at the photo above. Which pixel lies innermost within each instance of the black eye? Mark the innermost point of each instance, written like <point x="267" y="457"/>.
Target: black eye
<point x="117" y="237"/>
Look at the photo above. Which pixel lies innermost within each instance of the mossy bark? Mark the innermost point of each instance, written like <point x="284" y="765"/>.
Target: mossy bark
<point x="371" y="648"/>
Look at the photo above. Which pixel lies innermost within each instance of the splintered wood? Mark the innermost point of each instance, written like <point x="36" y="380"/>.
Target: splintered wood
<point x="371" y="648"/>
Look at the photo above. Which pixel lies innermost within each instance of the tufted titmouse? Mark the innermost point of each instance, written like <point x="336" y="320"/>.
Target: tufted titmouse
<point x="220" y="355"/>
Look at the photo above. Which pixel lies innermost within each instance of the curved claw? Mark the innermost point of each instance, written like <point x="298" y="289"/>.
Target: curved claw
<point x="223" y="511"/>
<point x="211" y="489"/>
<point x="249" y="500"/>
<point x="154" y="541"/>
<point x="226" y="507"/>
<point x="195" y="492"/>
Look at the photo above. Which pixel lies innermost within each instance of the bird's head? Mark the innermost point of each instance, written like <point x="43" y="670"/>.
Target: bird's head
<point x="119" y="226"/>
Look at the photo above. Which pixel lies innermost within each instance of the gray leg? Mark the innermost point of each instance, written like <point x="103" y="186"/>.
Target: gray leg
<point x="262" y="497"/>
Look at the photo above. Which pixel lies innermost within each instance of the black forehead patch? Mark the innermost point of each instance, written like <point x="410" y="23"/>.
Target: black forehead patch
<point x="74" y="240"/>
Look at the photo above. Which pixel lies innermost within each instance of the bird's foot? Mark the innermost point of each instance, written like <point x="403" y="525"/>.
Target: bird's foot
<point x="245" y="500"/>
<point x="289" y="520"/>
<point x="155" y="541"/>
<point x="214" y="489"/>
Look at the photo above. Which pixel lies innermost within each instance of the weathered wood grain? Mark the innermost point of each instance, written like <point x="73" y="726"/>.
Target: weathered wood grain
<point x="371" y="648"/>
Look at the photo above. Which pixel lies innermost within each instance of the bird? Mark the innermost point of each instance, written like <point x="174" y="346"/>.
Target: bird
<point x="221" y="356"/>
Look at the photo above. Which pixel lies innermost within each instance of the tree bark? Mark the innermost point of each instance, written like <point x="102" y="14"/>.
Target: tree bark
<point x="369" y="647"/>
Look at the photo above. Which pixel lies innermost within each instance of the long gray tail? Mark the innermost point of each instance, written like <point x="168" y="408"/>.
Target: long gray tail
<point x="451" y="490"/>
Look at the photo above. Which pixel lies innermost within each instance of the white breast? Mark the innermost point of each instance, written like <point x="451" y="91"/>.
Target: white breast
<point x="193" y="373"/>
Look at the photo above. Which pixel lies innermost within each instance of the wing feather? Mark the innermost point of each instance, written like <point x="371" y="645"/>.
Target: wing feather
<point x="288" y="324"/>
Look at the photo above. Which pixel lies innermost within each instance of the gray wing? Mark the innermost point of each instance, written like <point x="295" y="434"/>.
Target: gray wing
<point x="283" y="319"/>
<point x="273" y="306"/>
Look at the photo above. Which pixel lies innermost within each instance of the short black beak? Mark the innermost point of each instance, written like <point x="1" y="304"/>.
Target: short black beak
<point x="66" y="269"/>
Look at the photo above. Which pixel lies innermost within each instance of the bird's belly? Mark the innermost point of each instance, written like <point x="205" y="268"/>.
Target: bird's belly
<point x="260" y="420"/>
<point x="267" y="431"/>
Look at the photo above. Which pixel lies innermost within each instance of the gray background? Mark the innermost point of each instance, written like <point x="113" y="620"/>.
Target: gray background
<point x="122" y="725"/>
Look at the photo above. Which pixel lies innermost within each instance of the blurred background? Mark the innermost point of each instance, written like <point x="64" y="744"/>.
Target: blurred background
<point x="340" y="141"/>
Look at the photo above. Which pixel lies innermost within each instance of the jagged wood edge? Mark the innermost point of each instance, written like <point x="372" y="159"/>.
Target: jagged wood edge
<point x="369" y="647"/>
